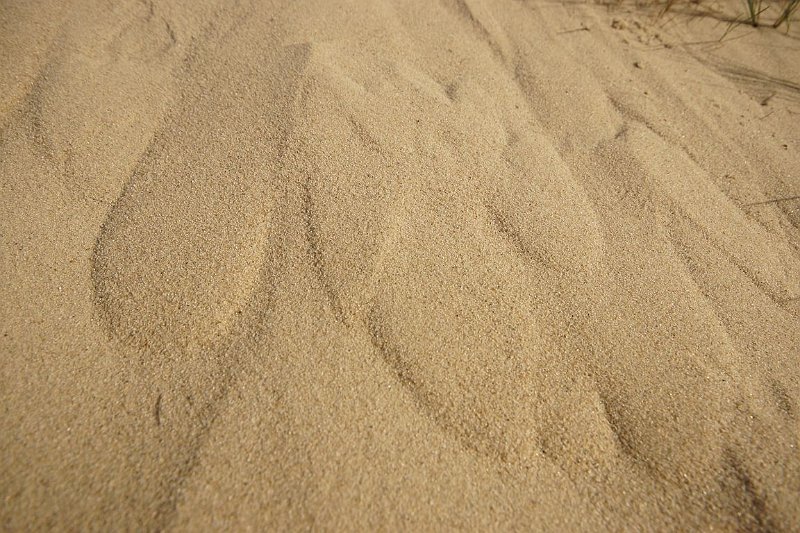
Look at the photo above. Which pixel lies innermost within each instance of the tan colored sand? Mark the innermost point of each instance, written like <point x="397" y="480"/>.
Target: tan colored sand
<point x="397" y="264"/>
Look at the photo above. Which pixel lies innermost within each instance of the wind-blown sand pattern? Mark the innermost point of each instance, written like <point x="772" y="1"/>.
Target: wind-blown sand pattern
<point x="457" y="264"/>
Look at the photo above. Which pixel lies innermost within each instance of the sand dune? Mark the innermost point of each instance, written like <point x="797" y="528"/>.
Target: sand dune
<point x="463" y="264"/>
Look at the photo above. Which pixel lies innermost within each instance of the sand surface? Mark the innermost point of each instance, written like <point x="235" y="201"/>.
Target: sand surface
<point x="397" y="265"/>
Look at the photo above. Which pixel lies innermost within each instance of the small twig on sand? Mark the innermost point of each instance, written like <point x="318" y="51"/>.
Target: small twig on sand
<point x="582" y="28"/>
<point x="774" y="201"/>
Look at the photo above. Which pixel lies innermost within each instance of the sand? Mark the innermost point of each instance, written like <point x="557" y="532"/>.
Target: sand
<point x="464" y="264"/>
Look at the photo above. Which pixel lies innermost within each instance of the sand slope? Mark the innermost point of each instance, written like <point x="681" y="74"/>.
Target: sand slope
<point x="377" y="265"/>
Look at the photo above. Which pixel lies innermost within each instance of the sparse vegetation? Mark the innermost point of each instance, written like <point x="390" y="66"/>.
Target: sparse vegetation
<point x="786" y="14"/>
<point x="753" y="10"/>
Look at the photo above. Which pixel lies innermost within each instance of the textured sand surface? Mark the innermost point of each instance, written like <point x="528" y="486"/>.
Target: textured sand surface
<point x="397" y="264"/>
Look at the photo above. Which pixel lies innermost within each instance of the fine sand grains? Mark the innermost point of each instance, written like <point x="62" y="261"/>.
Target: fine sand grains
<point x="457" y="264"/>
